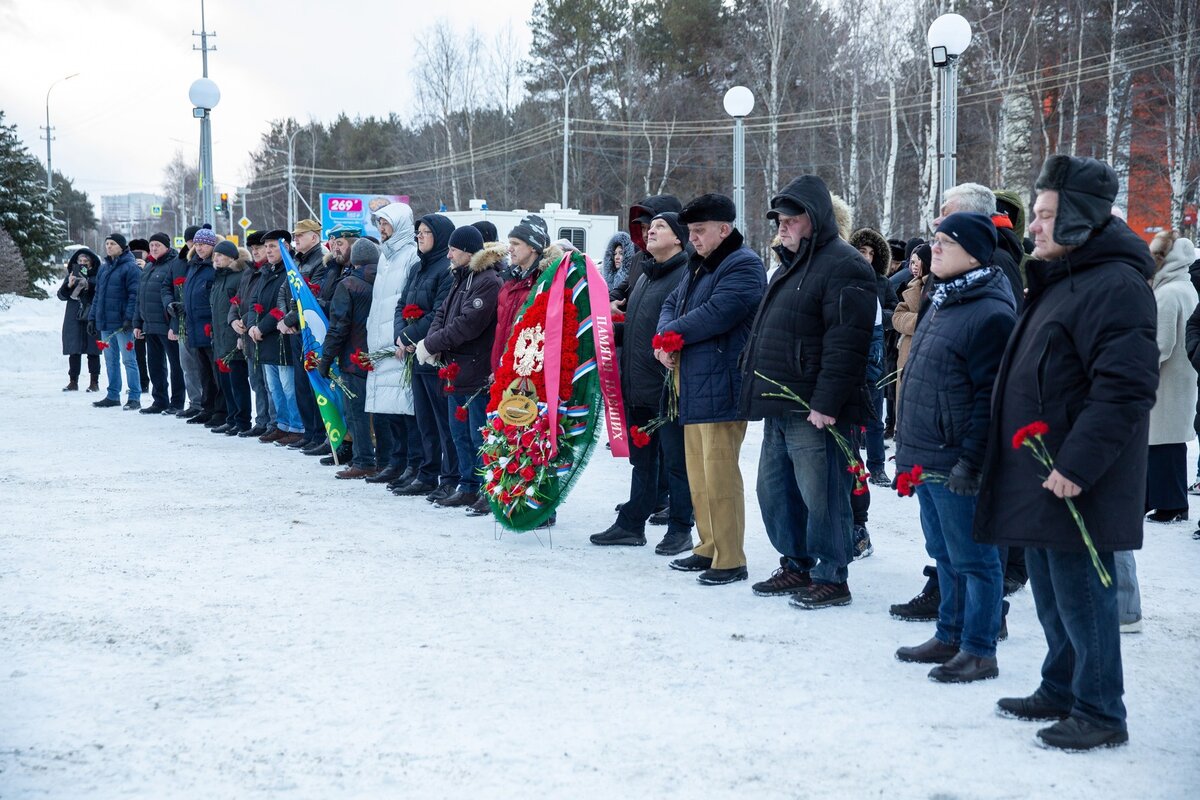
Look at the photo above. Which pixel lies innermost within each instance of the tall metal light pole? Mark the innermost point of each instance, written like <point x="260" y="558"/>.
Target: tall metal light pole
<point x="204" y="95"/>
<point x="567" y="122"/>
<point x="949" y="35"/>
<point x="291" y="176"/>
<point x="739" y="102"/>
<point x="49" y="137"/>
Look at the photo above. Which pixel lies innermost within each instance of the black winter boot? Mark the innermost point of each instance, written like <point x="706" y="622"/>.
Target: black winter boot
<point x="72" y="384"/>
<point x="923" y="607"/>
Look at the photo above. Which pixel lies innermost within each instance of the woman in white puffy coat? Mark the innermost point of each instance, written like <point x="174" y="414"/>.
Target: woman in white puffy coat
<point x="1171" y="419"/>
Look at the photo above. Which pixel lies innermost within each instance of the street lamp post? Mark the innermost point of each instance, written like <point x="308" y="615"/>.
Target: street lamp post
<point x="205" y="95"/>
<point x="739" y="102"/>
<point x="291" y="177"/>
<point x="49" y="137"/>
<point x="567" y="122"/>
<point x="949" y="35"/>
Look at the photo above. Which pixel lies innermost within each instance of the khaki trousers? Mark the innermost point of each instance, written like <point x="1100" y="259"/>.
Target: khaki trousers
<point x="712" y="451"/>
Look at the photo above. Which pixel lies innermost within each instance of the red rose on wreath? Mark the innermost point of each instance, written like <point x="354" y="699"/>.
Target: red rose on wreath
<point x="528" y="473"/>
<point x="512" y="467"/>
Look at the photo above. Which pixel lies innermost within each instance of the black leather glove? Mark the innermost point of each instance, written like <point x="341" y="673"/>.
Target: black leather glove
<point x="92" y="329"/>
<point x="175" y="309"/>
<point x="964" y="479"/>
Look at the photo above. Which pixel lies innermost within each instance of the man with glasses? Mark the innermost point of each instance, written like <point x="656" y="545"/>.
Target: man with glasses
<point x="812" y="333"/>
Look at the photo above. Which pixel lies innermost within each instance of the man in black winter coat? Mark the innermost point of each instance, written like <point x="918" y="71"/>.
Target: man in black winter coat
<point x="151" y="322"/>
<point x="1083" y="360"/>
<point x="812" y="333"/>
<point x="347" y="335"/>
<point x="642" y="388"/>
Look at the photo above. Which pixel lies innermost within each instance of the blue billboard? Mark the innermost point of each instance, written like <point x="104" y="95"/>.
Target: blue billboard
<point x="354" y="210"/>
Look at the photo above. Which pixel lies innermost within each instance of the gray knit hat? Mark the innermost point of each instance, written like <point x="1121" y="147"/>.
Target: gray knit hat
<point x="363" y="252"/>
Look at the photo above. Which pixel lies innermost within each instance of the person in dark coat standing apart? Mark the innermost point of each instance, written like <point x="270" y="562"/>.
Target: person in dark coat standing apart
<point x="812" y="334"/>
<point x="711" y="309"/>
<point x="77" y="291"/>
<point x="943" y="427"/>
<point x="1083" y="359"/>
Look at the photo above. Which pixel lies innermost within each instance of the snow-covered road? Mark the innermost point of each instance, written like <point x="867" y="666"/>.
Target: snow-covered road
<point x="189" y="615"/>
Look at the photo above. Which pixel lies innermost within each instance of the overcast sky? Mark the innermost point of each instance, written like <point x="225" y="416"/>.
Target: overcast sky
<point x="119" y="123"/>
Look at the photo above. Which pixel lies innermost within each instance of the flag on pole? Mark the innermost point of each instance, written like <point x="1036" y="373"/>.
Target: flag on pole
<point x="313" y="325"/>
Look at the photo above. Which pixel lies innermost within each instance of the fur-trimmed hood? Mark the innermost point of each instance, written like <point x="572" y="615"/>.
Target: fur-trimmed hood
<point x="550" y="256"/>
<point x="843" y="215"/>
<point x="874" y="240"/>
<point x="491" y="256"/>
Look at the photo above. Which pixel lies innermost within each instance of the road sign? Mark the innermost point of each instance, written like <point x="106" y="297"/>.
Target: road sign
<point x="244" y="222"/>
<point x="156" y="211"/>
<point x="179" y="242"/>
<point x="233" y="237"/>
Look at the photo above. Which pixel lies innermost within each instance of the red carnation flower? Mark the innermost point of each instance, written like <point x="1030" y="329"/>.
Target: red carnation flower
<point x="528" y="473"/>
<point x="618" y="317"/>
<point x="258" y="308"/>
<point x="129" y="345"/>
<point x="512" y="467"/>
<point x="314" y="287"/>
<point x="208" y="329"/>
<point x="639" y="437"/>
<point x="497" y="424"/>
<point x="1033" y="429"/>
<point x="449" y="372"/>
<point x="460" y="413"/>
<point x="277" y="313"/>
<point x="860" y="490"/>
<point x="668" y="342"/>
<point x="101" y="346"/>
<point x="412" y="312"/>
<point x="235" y="301"/>
<point x="179" y="281"/>
<point x="223" y="367"/>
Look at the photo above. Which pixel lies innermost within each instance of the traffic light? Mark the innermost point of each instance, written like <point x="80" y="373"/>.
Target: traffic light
<point x="224" y="202"/>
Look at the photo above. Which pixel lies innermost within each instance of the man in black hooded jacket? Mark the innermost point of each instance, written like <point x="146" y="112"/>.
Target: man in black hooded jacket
<point x="1083" y="362"/>
<point x="812" y="334"/>
<point x="640" y="215"/>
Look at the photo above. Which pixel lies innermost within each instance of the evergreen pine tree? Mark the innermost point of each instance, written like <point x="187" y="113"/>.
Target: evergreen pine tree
<point x="23" y="211"/>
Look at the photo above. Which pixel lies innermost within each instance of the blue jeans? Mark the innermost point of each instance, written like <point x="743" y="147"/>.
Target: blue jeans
<point x="1129" y="594"/>
<point x="118" y="355"/>
<point x="1079" y="616"/>
<point x="969" y="574"/>
<point x="397" y="444"/>
<point x="664" y="456"/>
<point x="358" y="421"/>
<point x="467" y="438"/>
<point x="876" y="449"/>
<point x="282" y="386"/>
<point x="804" y="497"/>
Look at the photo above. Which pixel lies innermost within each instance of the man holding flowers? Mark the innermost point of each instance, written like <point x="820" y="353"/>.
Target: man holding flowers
<point x="1083" y="360"/>
<point x="943" y="428"/>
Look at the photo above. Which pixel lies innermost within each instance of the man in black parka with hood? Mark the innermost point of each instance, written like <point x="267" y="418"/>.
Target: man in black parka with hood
<point x="812" y="333"/>
<point x="1083" y="359"/>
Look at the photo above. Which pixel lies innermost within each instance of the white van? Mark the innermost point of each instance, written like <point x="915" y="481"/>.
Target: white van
<point x="589" y="233"/>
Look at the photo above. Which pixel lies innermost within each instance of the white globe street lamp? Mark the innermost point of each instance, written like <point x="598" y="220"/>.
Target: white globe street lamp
<point x="739" y="102"/>
<point x="205" y="95"/>
<point x="949" y="35"/>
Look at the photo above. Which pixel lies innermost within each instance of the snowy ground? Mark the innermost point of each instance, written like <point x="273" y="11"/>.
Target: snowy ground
<point x="185" y="615"/>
